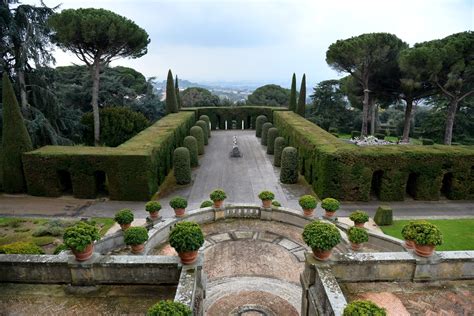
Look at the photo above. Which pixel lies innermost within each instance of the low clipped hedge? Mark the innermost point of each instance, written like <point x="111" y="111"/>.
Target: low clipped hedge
<point x="266" y="126"/>
<point x="366" y="308"/>
<point x="169" y="308"/>
<point x="206" y="119"/>
<point x="124" y="216"/>
<point x="261" y="119"/>
<point x="383" y="216"/>
<point x="191" y="144"/>
<point x="182" y="165"/>
<point x="272" y="134"/>
<point x="357" y="235"/>
<point x="289" y="165"/>
<point x="186" y="236"/>
<point x="135" y="236"/>
<point x="280" y="144"/>
<point x="205" y="129"/>
<point x="321" y="236"/>
<point x="198" y="133"/>
<point x="20" y="247"/>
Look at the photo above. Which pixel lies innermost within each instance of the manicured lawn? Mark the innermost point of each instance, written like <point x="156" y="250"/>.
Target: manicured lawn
<point x="458" y="234"/>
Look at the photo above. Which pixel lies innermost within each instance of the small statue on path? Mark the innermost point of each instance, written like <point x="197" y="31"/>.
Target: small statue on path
<point x="235" y="153"/>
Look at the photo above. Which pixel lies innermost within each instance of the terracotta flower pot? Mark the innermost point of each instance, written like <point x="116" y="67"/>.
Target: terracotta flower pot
<point x="361" y="225"/>
<point x="424" y="250"/>
<point x="136" y="249"/>
<point x="330" y="214"/>
<point x="322" y="255"/>
<point x="188" y="257"/>
<point x="179" y="212"/>
<point x="125" y="226"/>
<point x="267" y="203"/>
<point x="85" y="254"/>
<point x="409" y="244"/>
<point x="154" y="215"/>
<point x="218" y="204"/>
<point x="308" y="211"/>
<point x="355" y="246"/>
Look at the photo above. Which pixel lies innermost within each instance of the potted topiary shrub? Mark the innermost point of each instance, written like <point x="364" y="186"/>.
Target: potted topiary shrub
<point x="330" y="205"/>
<point x="361" y="307"/>
<point x="359" y="218"/>
<point x="218" y="196"/>
<point x="206" y="204"/>
<point x="409" y="233"/>
<point x="357" y="236"/>
<point x="276" y="203"/>
<point x="427" y="237"/>
<point x="153" y="207"/>
<point x="308" y="203"/>
<point x="136" y="237"/>
<point x="266" y="197"/>
<point x="168" y="307"/>
<point x="179" y="205"/>
<point x="80" y="239"/>
<point x="186" y="238"/>
<point x="124" y="218"/>
<point x="321" y="237"/>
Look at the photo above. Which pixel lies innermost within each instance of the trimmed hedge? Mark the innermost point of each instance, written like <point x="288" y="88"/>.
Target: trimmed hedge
<point x="271" y="135"/>
<point x="261" y="119"/>
<point x="266" y="126"/>
<point x="289" y="165"/>
<point x="182" y="165"/>
<point x="198" y="133"/>
<point x="205" y="129"/>
<point x="191" y="144"/>
<point x="280" y="143"/>
<point x="206" y="119"/>
<point x="21" y="247"/>
<point x="383" y="216"/>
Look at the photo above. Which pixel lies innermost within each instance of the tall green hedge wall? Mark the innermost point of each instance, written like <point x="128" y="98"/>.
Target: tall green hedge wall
<point x="348" y="172"/>
<point x="134" y="169"/>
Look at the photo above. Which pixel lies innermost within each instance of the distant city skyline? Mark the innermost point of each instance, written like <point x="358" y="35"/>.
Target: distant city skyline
<point x="265" y="41"/>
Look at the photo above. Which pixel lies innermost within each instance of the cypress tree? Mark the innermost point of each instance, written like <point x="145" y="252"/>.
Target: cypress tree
<point x="171" y="103"/>
<point x="15" y="142"/>
<point x="302" y="97"/>
<point x="178" y="97"/>
<point x="292" y="106"/>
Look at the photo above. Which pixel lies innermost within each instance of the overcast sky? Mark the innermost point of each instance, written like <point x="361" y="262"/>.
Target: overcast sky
<point x="263" y="41"/>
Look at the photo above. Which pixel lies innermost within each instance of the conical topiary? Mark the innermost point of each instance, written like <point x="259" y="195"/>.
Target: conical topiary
<point x="171" y="103"/>
<point x="302" y="97"/>
<point x="178" y="97"/>
<point x="292" y="106"/>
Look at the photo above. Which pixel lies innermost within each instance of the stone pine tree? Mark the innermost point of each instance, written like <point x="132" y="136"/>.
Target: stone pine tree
<point x="178" y="97"/>
<point x="171" y="101"/>
<point x="15" y="142"/>
<point x="292" y="106"/>
<point x="302" y="98"/>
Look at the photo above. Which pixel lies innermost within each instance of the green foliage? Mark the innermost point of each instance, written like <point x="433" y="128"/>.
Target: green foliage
<point x="218" y="195"/>
<point x="330" y="204"/>
<point x="321" y="236"/>
<point x="292" y="105"/>
<point x="198" y="97"/>
<point x="363" y="308"/>
<point x="191" y="144"/>
<point x="426" y="141"/>
<point x="60" y="248"/>
<point x="80" y="235"/>
<point x="206" y="204"/>
<point x="359" y="217"/>
<point x="186" y="236"/>
<point x="383" y="216"/>
<point x="355" y="134"/>
<point x="205" y="129"/>
<point x="266" y="126"/>
<point x="178" y="202"/>
<point x="427" y="234"/>
<point x="20" y="247"/>
<point x="357" y="235"/>
<point x="302" y="98"/>
<point x="380" y="136"/>
<point x="269" y="95"/>
<point x="182" y="165"/>
<point x="409" y="231"/>
<point x="171" y="101"/>
<point x="271" y="135"/>
<point x="117" y="125"/>
<point x="206" y="119"/>
<point x="308" y="202"/>
<point x="198" y="133"/>
<point x="51" y="229"/>
<point x="15" y="140"/>
<point x="178" y="96"/>
<point x="279" y="145"/>
<point x="124" y="216"/>
<point x="135" y="235"/>
<point x="289" y="165"/>
<point x="261" y="119"/>
<point x="266" y="195"/>
<point x="276" y="203"/>
<point x="169" y="308"/>
<point x="152" y="206"/>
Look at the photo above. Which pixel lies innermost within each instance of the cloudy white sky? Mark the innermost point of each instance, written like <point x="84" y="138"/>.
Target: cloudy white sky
<point x="265" y="41"/>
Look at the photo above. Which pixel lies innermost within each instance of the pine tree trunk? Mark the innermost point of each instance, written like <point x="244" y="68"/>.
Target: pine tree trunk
<point x="95" y="101"/>
<point x="365" y="110"/>
<point x="373" y="117"/>
<point x="23" y="97"/>
<point x="406" y="124"/>
<point x="448" y="133"/>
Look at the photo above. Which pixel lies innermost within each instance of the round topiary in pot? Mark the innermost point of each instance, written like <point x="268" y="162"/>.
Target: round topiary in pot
<point x="361" y="307"/>
<point x="205" y="129"/>
<point x="427" y="237"/>
<point x="279" y="145"/>
<point x="182" y="165"/>
<point x="206" y="119"/>
<point x="218" y="196"/>
<point x="409" y="233"/>
<point x="166" y="308"/>
<point x="124" y="218"/>
<point x="186" y="238"/>
<point x="153" y="207"/>
<point x="179" y="205"/>
<point x="321" y="238"/>
<point x="330" y="205"/>
<point x="191" y="144"/>
<point x="289" y="166"/>
<point x="198" y="133"/>
<point x="266" y="197"/>
<point x="261" y="119"/>
<point x="136" y="237"/>
<point x="357" y="236"/>
<point x="80" y="239"/>
<point x="206" y="204"/>
<point x="308" y="203"/>
<point x="359" y="218"/>
<point x="266" y="126"/>
<point x="271" y="136"/>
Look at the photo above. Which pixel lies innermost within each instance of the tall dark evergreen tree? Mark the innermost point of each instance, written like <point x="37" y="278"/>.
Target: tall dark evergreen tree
<point x="178" y="97"/>
<point x="292" y="106"/>
<point x="171" y="102"/>
<point x="302" y="98"/>
<point x="15" y="140"/>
